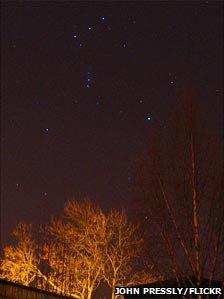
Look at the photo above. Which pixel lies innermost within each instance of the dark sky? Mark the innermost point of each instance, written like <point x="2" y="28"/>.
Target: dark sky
<point x="82" y="85"/>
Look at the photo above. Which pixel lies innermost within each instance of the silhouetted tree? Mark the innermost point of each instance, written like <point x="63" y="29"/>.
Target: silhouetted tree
<point x="179" y="190"/>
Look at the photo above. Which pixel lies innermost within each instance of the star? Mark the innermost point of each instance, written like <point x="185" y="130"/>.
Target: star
<point x="46" y="129"/>
<point x="148" y="118"/>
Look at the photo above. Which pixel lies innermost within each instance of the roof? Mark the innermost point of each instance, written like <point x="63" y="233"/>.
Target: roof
<point x="13" y="290"/>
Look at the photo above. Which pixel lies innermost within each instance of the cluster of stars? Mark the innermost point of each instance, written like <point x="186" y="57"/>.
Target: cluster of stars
<point x="90" y="28"/>
<point x="88" y="80"/>
<point x="79" y="35"/>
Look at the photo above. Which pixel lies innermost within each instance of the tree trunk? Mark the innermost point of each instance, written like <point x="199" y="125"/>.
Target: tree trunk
<point x="195" y="207"/>
<point x="89" y="295"/>
<point x="113" y="296"/>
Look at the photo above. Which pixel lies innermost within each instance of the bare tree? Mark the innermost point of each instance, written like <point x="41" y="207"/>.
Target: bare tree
<point x="179" y="184"/>
<point x="73" y="253"/>
<point x="123" y="249"/>
<point x="79" y="250"/>
<point x="20" y="261"/>
<point x="76" y="248"/>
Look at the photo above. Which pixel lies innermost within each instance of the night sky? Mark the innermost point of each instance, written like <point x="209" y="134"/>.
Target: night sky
<point x="83" y="83"/>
